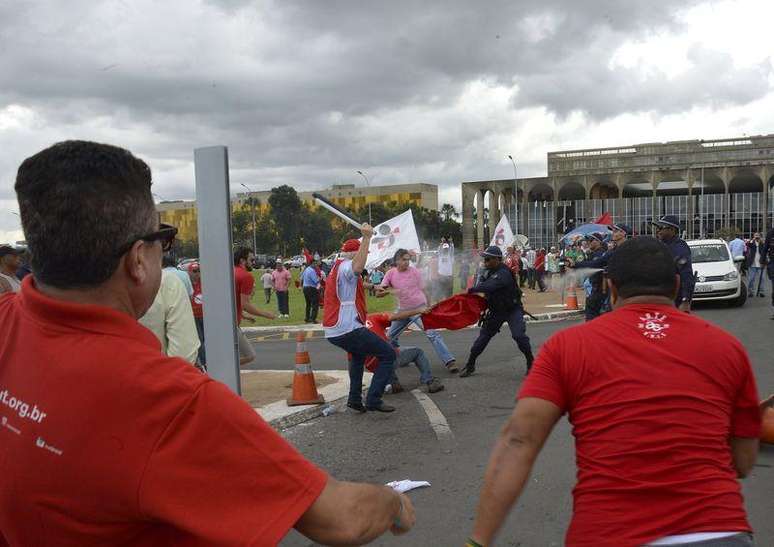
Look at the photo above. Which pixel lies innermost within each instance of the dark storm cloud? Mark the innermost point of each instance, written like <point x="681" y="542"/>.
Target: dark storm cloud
<point x="298" y="89"/>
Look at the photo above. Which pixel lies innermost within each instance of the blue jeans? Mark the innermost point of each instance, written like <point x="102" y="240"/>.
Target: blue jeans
<point x="397" y="327"/>
<point x="418" y="357"/>
<point x="361" y="343"/>
<point x="755" y="275"/>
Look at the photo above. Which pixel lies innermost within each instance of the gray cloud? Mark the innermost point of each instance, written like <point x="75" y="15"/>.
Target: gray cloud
<point x="307" y="92"/>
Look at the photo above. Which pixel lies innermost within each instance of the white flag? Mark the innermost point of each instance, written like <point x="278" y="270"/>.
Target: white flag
<point x="396" y="233"/>
<point x="503" y="236"/>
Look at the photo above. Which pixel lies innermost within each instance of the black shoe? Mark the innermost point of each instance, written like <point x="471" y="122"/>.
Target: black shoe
<point x="469" y="369"/>
<point x="762" y="295"/>
<point x="381" y="408"/>
<point x="357" y="406"/>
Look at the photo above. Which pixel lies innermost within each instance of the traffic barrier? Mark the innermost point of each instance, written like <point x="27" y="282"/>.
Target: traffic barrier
<point x="304" y="386"/>
<point x="571" y="300"/>
<point x="767" y="429"/>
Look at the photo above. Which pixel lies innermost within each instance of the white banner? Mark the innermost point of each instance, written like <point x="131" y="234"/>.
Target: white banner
<point x="503" y="236"/>
<point x="396" y="233"/>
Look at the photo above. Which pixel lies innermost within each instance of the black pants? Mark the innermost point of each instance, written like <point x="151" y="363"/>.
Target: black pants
<point x="522" y="277"/>
<point x="594" y="304"/>
<point x="491" y="327"/>
<point x="312" y="297"/>
<point x="770" y="271"/>
<point x="267" y="294"/>
<point x="283" y="306"/>
<point x="540" y="278"/>
<point x="200" y="331"/>
<point x="531" y="278"/>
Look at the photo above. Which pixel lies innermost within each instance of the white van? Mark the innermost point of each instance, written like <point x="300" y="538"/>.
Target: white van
<point x="717" y="277"/>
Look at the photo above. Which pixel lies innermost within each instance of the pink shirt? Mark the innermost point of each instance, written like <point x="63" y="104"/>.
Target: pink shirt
<point x="281" y="280"/>
<point x="409" y="285"/>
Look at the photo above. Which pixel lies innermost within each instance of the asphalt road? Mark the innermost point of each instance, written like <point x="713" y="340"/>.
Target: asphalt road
<point x="382" y="448"/>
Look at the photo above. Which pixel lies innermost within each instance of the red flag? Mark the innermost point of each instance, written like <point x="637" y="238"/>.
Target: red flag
<point x="605" y="219"/>
<point x="455" y="313"/>
<point x="307" y="256"/>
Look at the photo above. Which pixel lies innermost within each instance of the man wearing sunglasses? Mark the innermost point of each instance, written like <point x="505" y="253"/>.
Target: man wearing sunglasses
<point x="103" y="439"/>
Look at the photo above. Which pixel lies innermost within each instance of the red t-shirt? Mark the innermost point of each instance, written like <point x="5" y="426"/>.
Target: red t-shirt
<point x="244" y="283"/>
<point x="378" y="323"/>
<point x="653" y="395"/>
<point x="197" y="300"/>
<point x="105" y="441"/>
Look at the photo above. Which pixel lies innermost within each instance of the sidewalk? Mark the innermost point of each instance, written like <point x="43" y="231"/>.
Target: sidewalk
<point x="545" y="306"/>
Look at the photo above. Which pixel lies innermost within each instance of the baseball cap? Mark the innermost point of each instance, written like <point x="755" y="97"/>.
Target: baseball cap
<point x="193" y="267"/>
<point x="350" y="246"/>
<point x="670" y="221"/>
<point x="492" y="251"/>
<point x="8" y="250"/>
<point x="622" y="227"/>
<point x="595" y="236"/>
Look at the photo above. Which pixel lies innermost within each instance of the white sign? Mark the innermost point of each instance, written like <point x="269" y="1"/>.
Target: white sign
<point x="503" y="236"/>
<point x="396" y="233"/>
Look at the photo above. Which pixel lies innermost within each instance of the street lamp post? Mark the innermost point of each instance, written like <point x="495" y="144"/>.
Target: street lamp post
<point x="515" y="197"/>
<point x="252" y="206"/>
<point x="368" y="183"/>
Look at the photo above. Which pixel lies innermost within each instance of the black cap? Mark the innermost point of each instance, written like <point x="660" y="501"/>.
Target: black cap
<point x="669" y="221"/>
<point x="595" y="236"/>
<point x="622" y="227"/>
<point x="8" y="250"/>
<point x="492" y="251"/>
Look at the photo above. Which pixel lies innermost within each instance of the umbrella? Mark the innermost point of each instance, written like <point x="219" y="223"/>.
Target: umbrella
<point x="582" y="231"/>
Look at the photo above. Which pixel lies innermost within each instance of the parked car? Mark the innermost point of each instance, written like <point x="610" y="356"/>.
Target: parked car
<point x="717" y="277"/>
<point x="264" y="261"/>
<point x="295" y="262"/>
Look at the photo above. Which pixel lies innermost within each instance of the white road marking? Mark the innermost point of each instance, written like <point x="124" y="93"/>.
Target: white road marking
<point x="437" y="420"/>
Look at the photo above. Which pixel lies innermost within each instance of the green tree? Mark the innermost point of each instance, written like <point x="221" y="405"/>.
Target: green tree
<point x="317" y="231"/>
<point x="241" y="228"/>
<point x="448" y="212"/>
<point x="286" y="209"/>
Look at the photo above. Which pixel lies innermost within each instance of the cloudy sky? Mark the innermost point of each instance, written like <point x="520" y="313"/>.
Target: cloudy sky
<point x="306" y="93"/>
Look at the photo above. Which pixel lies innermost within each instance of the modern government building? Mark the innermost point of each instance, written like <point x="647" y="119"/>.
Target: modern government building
<point x="710" y="185"/>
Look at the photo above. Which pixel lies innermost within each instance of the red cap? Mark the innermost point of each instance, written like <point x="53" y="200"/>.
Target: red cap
<point x="193" y="266"/>
<point x="350" y="246"/>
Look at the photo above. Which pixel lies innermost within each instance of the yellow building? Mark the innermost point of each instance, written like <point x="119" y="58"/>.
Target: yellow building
<point x="348" y="196"/>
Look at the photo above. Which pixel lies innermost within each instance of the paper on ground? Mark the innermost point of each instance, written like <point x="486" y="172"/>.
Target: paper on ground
<point x="406" y="485"/>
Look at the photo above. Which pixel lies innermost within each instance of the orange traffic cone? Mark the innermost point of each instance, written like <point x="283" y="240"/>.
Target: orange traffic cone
<point x="571" y="300"/>
<point x="304" y="387"/>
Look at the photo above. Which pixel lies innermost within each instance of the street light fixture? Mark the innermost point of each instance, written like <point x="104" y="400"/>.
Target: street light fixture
<point x="515" y="197"/>
<point x="368" y="183"/>
<point x="252" y="204"/>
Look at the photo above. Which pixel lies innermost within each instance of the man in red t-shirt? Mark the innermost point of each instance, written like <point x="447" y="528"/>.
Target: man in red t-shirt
<point x="665" y="416"/>
<point x="378" y="323"/>
<point x="197" y="306"/>
<point x="103" y="439"/>
<point x="244" y="286"/>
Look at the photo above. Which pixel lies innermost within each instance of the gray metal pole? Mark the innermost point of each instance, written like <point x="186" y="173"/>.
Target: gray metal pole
<point x="369" y="203"/>
<point x="216" y="263"/>
<point x="701" y="206"/>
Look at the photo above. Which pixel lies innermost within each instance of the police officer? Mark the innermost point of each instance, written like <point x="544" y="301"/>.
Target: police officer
<point x="667" y="228"/>
<point x="767" y="257"/>
<point x="503" y="297"/>
<point x="598" y="261"/>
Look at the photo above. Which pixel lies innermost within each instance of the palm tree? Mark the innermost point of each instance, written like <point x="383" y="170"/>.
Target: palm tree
<point x="448" y="211"/>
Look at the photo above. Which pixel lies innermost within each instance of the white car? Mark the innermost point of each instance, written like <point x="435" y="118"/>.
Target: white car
<point x="717" y="277"/>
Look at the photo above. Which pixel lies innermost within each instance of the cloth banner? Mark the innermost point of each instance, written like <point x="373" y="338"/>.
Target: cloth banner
<point x="389" y="236"/>
<point x="455" y="313"/>
<point x="503" y="235"/>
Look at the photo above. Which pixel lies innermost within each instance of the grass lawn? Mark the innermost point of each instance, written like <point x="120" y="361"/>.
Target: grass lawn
<point x="297" y="304"/>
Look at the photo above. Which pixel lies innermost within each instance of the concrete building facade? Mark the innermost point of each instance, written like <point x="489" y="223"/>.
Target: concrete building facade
<point x="183" y="214"/>
<point x="708" y="184"/>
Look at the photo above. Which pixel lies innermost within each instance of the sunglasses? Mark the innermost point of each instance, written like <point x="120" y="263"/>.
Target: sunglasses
<point x="165" y="234"/>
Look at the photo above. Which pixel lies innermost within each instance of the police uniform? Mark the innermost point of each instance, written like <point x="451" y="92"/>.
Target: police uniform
<point x="597" y="260"/>
<point x="767" y="255"/>
<point x="503" y="297"/>
<point x="682" y="255"/>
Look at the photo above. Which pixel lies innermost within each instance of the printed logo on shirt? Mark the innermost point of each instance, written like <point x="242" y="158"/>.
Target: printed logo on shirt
<point x="22" y="408"/>
<point x="4" y="423"/>
<point x="653" y="326"/>
<point x="41" y="443"/>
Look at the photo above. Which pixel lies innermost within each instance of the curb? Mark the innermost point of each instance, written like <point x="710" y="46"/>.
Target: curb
<point x="540" y="318"/>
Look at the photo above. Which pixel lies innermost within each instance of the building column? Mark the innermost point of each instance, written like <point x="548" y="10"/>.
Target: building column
<point x="480" y="217"/>
<point x="494" y="211"/>
<point x="691" y="208"/>
<point x="764" y="228"/>
<point x="467" y="217"/>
